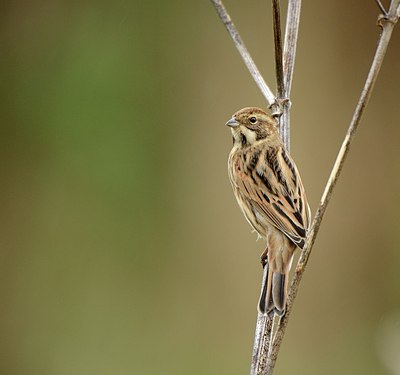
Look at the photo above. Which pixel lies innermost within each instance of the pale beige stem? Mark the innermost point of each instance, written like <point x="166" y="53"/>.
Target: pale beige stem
<point x="284" y="63"/>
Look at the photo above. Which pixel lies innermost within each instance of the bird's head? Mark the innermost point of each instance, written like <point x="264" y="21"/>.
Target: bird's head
<point x="251" y="125"/>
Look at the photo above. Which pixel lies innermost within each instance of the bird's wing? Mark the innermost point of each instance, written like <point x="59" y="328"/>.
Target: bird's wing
<point x="273" y="184"/>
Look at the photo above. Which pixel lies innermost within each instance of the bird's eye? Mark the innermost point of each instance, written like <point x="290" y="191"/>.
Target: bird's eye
<point x="253" y="119"/>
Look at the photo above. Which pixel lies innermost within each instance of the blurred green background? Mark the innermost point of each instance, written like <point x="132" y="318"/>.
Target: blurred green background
<point x="123" y="250"/>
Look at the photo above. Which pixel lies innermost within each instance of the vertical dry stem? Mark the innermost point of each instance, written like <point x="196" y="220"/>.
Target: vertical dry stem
<point x="284" y="64"/>
<point x="263" y="333"/>
<point x="276" y="13"/>
<point x="289" y="54"/>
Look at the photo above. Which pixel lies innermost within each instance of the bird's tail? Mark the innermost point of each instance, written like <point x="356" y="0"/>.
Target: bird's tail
<point x="274" y="291"/>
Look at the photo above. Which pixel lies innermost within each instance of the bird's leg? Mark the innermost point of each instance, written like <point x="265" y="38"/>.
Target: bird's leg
<point x="264" y="257"/>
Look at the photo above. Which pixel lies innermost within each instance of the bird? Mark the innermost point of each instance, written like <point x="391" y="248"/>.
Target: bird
<point x="271" y="195"/>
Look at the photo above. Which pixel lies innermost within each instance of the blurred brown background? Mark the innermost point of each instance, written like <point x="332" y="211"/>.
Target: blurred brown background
<point x="122" y="249"/>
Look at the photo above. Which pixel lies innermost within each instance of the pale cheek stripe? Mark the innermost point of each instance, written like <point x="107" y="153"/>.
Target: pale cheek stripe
<point x="250" y="135"/>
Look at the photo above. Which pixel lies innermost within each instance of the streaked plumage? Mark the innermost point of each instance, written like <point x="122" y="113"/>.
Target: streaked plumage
<point x="269" y="191"/>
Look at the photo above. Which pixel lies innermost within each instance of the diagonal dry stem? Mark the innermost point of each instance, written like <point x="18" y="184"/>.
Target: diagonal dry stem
<point x="387" y="23"/>
<point x="251" y="66"/>
<point x="381" y="7"/>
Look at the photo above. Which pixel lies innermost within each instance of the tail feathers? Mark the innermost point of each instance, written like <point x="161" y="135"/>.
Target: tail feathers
<point x="265" y="297"/>
<point x="273" y="292"/>
<point x="279" y="282"/>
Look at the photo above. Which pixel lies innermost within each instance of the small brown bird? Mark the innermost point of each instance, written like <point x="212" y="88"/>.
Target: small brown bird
<point x="269" y="191"/>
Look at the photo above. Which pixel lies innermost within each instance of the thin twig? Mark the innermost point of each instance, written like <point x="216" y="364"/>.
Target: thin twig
<point x="251" y="66"/>
<point x="276" y="12"/>
<point x="381" y="7"/>
<point x="387" y="22"/>
<point x="289" y="49"/>
<point x="289" y="53"/>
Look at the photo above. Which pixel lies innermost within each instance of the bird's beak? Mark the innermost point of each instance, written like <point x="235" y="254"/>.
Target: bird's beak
<point x="232" y="123"/>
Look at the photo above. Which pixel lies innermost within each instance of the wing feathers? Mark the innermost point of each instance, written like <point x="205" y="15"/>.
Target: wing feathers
<point x="274" y="190"/>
